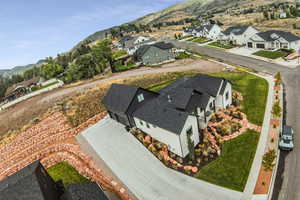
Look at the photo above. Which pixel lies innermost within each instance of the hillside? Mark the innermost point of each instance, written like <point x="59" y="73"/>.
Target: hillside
<point x="190" y="8"/>
<point x="19" y="69"/>
<point x="222" y="10"/>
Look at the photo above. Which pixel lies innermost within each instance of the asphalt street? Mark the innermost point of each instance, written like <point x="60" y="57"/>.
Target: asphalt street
<point x="287" y="184"/>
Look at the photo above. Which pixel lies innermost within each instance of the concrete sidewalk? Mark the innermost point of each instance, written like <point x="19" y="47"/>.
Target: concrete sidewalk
<point x="144" y="175"/>
<point x="262" y="144"/>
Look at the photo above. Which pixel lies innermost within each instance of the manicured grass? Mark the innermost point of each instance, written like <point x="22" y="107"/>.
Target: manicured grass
<point x="200" y="40"/>
<point x="182" y="55"/>
<point x="254" y="90"/>
<point x="220" y="45"/>
<point x="270" y="54"/>
<point x="232" y="168"/>
<point x="65" y="172"/>
<point x="119" y="54"/>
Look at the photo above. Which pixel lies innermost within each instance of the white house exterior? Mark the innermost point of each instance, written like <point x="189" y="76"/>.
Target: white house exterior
<point x="208" y="31"/>
<point x="131" y="44"/>
<point x="274" y="39"/>
<point x="187" y="32"/>
<point x="238" y="35"/>
<point x="177" y="143"/>
<point x="174" y="113"/>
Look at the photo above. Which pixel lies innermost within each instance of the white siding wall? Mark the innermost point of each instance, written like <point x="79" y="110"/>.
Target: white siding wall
<point x="162" y="135"/>
<point x="227" y="102"/>
<point x="295" y="45"/>
<point x="247" y="34"/>
<point x="214" y="32"/>
<point x="190" y="122"/>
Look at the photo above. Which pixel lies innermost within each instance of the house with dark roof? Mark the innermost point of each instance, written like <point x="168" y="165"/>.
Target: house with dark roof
<point x="274" y="39"/>
<point x="187" y="32"/>
<point x="172" y="114"/>
<point x="211" y="31"/>
<point x="153" y="54"/>
<point x="131" y="44"/>
<point x="34" y="183"/>
<point x="238" y="35"/>
<point x="22" y="88"/>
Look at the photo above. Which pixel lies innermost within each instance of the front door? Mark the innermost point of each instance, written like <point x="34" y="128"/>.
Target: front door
<point x="250" y="45"/>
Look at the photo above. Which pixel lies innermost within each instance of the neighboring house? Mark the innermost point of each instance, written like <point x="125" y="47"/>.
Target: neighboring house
<point x="282" y="15"/>
<point x="274" y="39"/>
<point x="22" y="88"/>
<point x="211" y="31"/>
<point x="187" y="32"/>
<point x="172" y="114"/>
<point x="238" y="35"/>
<point x="34" y="183"/>
<point x="153" y="54"/>
<point x="131" y="44"/>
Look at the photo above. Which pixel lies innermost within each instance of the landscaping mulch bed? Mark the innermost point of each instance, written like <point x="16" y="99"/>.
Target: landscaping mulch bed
<point x="263" y="181"/>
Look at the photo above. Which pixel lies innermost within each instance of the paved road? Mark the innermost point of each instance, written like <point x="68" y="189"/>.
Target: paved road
<point x="287" y="185"/>
<point x="143" y="174"/>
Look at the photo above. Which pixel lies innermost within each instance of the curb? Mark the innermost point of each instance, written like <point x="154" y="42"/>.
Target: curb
<point x="273" y="178"/>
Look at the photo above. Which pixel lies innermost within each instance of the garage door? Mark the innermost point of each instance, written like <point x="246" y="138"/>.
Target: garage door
<point x="250" y="45"/>
<point x="260" y="46"/>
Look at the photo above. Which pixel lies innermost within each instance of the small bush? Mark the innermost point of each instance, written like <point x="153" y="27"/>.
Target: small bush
<point x="276" y="111"/>
<point x="268" y="160"/>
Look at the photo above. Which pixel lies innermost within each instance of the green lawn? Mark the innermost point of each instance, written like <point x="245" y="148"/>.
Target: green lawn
<point x="65" y="172"/>
<point x="182" y="55"/>
<point x="220" y="45"/>
<point x="200" y="40"/>
<point x="232" y="168"/>
<point x="120" y="67"/>
<point x="254" y="90"/>
<point x="270" y="54"/>
<point x="119" y="54"/>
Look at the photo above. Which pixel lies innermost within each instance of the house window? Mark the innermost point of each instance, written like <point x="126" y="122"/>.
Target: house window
<point x="211" y="105"/>
<point x="189" y="131"/>
<point x="140" y="97"/>
<point x="148" y="126"/>
<point x="227" y="95"/>
<point x="141" y="122"/>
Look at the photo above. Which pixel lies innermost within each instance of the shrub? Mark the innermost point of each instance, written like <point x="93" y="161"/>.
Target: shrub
<point x="268" y="160"/>
<point x="278" y="80"/>
<point x="276" y="111"/>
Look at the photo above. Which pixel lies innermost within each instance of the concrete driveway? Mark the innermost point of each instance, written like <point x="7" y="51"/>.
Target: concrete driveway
<point x="145" y="176"/>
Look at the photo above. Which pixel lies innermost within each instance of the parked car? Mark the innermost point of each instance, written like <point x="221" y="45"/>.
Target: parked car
<point x="286" y="142"/>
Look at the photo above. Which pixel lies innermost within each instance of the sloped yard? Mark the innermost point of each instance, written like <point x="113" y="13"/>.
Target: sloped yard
<point x="232" y="168"/>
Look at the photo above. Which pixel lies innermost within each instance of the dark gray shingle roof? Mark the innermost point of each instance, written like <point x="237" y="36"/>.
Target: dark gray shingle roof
<point x="267" y="35"/>
<point x="237" y="30"/>
<point x="119" y="97"/>
<point x="204" y="27"/>
<point x="85" y="191"/>
<point x="159" y="113"/>
<point x="27" y="184"/>
<point x="143" y="49"/>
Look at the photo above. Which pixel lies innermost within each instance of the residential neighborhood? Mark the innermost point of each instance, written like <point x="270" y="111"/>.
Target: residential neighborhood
<point x="181" y="100"/>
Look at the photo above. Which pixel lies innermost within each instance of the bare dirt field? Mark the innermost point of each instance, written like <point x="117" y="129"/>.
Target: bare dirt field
<point x="23" y="113"/>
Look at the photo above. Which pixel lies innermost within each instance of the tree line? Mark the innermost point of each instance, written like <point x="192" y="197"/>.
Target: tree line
<point x="84" y="62"/>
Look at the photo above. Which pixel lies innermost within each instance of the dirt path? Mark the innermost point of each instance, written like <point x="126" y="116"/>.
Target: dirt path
<point x="22" y="113"/>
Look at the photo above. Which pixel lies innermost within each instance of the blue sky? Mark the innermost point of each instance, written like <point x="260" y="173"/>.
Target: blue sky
<point x="34" y="29"/>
